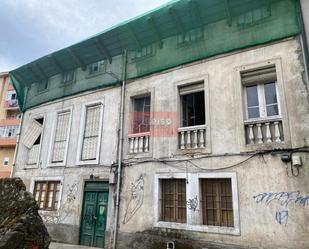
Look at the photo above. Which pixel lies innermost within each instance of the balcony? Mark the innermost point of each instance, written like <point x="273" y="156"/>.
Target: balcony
<point x="8" y="133"/>
<point x="192" y="137"/>
<point x="139" y="142"/>
<point x="263" y="132"/>
<point x="11" y="104"/>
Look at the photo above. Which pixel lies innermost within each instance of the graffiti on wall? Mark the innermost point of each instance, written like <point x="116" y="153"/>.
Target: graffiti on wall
<point x="67" y="206"/>
<point x="192" y="204"/>
<point x="136" y="198"/>
<point x="283" y="200"/>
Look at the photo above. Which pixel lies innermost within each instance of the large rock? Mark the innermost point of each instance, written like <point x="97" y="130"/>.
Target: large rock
<point x="20" y="224"/>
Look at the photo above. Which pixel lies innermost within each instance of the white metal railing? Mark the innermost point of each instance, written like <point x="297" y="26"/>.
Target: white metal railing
<point x="192" y="137"/>
<point x="9" y="131"/>
<point x="264" y="131"/>
<point x="139" y="143"/>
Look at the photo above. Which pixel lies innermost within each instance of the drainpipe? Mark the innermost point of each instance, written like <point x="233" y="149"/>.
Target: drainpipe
<point x="17" y="145"/>
<point x="304" y="41"/>
<point x="120" y="146"/>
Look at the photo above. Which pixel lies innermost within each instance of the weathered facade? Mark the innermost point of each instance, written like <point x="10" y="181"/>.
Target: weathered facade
<point x="215" y="131"/>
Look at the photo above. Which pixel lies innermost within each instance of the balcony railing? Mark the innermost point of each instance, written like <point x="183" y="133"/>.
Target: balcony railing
<point x="262" y="132"/>
<point x="11" y="103"/>
<point x="193" y="137"/>
<point x="139" y="143"/>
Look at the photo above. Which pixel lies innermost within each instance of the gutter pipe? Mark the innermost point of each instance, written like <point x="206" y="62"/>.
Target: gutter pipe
<point x="120" y="148"/>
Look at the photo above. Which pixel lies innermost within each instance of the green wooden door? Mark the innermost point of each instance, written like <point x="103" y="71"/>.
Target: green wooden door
<point x="93" y="223"/>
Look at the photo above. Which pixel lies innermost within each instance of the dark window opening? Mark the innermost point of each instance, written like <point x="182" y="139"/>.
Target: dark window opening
<point x="141" y="114"/>
<point x="193" y="109"/>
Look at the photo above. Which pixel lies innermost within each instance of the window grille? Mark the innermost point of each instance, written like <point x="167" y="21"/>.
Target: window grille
<point x="46" y="194"/>
<point x="91" y="133"/>
<point x="217" y="204"/>
<point x="173" y="200"/>
<point x="61" y="136"/>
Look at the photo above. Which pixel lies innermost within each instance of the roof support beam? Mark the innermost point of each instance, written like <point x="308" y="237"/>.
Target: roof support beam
<point x="43" y="74"/>
<point x="228" y="12"/>
<point x="154" y="27"/>
<point x="75" y="57"/>
<point x="196" y="12"/>
<point x="178" y="23"/>
<point x="133" y="35"/>
<point x="56" y="63"/>
<point x="33" y="74"/>
<point x="103" y="51"/>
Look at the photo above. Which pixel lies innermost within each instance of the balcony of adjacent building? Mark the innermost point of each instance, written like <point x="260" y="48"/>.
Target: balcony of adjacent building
<point x="9" y="129"/>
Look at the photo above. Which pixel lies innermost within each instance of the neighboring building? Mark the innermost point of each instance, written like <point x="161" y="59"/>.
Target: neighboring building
<point x="213" y="147"/>
<point x="9" y="124"/>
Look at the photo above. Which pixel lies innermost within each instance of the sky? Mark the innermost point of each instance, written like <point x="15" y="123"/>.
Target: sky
<point x="33" y="28"/>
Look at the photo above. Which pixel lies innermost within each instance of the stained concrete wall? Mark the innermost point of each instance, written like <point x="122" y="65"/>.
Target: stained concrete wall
<point x="260" y="223"/>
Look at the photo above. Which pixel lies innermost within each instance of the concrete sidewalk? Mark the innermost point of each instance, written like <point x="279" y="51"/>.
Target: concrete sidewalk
<point x="54" y="245"/>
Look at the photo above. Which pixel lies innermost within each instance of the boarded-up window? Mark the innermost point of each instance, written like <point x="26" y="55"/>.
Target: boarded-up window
<point x="46" y="194"/>
<point x="217" y="204"/>
<point x="61" y="136"/>
<point x="173" y="200"/>
<point x="91" y="133"/>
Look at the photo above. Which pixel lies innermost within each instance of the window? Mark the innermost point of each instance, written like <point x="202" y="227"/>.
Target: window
<point x="253" y="17"/>
<point x="61" y="137"/>
<point x="144" y="52"/>
<point x="263" y="123"/>
<point x="191" y="36"/>
<point x="9" y="131"/>
<point x="141" y="114"/>
<point x="262" y="100"/>
<point x="68" y="76"/>
<point x="46" y="194"/>
<point x="91" y="134"/>
<point x="31" y="138"/>
<point x="217" y="202"/>
<point x="192" y="100"/>
<point x="173" y="200"/>
<point x="96" y="67"/>
<point x="11" y="95"/>
<point x="5" y="161"/>
<point x="42" y="85"/>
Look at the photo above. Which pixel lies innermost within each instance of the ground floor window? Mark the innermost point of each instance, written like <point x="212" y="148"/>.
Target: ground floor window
<point x="173" y="200"/>
<point x="217" y="202"/>
<point x="46" y="194"/>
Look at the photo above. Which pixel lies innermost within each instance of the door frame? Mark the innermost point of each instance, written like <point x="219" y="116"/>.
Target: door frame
<point x="84" y="190"/>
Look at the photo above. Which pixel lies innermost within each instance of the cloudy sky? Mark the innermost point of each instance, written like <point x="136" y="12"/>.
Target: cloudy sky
<point x="33" y="28"/>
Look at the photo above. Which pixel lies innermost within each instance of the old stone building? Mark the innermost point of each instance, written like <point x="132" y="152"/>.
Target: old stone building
<point x="186" y="127"/>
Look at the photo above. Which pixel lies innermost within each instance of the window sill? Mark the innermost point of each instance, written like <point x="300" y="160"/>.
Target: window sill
<point x="31" y="166"/>
<point x="262" y="120"/>
<point x="51" y="165"/>
<point x="87" y="162"/>
<point x="93" y="75"/>
<point x="68" y="83"/>
<point x="199" y="228"/>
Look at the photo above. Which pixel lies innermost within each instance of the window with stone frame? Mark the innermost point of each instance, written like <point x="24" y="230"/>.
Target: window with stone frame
<point x="61" y="137"/>
<point x="91" y="132"/>
<point x="173" y="200"/>
<point x="217" y="202"/>
<point x="263" y="122"/>
<point x="192" y="100"/>
<point x="47" y="194"/>
<point x="141" y="114"/>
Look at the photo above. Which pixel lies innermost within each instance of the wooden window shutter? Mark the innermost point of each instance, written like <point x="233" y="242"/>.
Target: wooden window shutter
<point x="31" y="134"/>
<point x="91" y="133"/>
<point x="61" y="134"/>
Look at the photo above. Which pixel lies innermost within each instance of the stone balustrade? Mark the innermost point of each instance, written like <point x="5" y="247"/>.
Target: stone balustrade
<point x="139" y="143"/>
<point x="192" y="137"/>
<point x="266" y="131"/>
